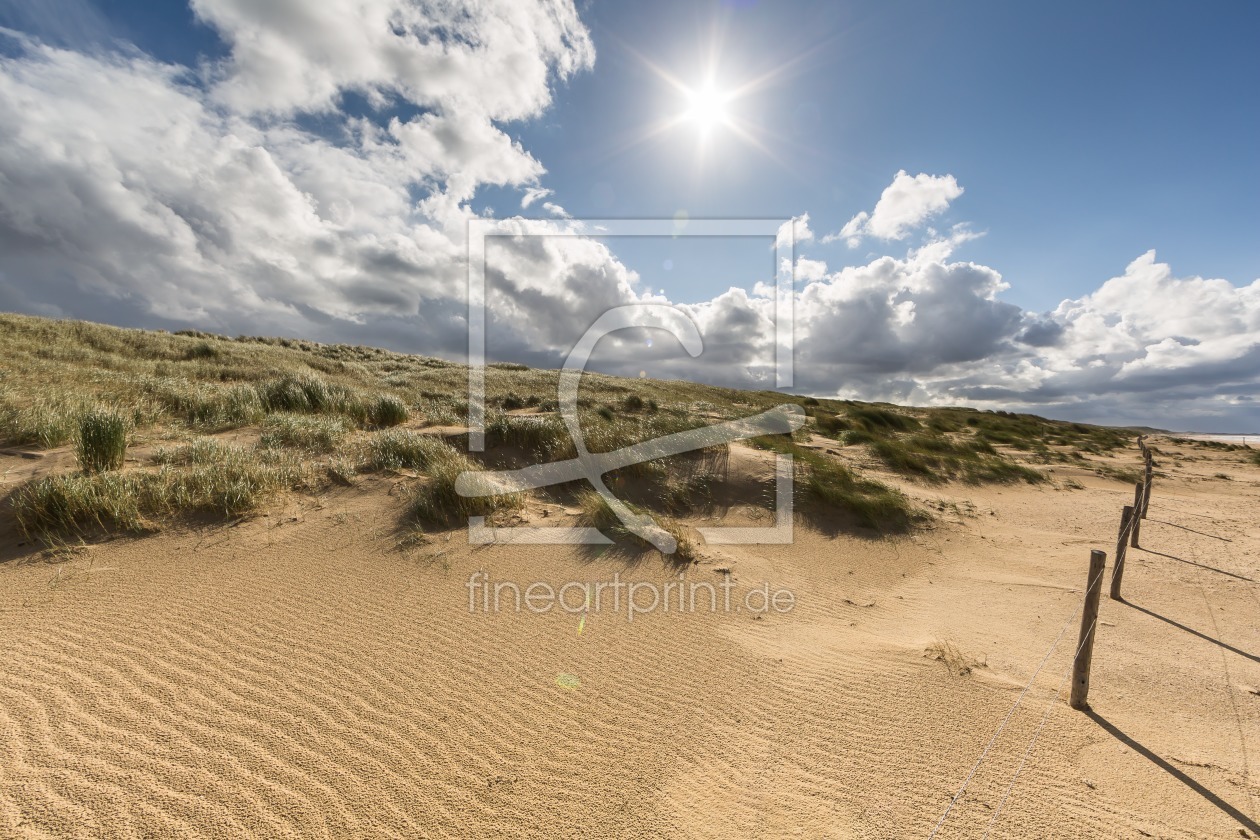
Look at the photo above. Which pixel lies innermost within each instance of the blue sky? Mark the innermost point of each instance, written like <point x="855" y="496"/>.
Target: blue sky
<point x="282" y="167"/>
<point x="1083" y="133"/>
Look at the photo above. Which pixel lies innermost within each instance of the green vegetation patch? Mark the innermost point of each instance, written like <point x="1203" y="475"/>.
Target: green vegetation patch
<point x="824" y="485"/>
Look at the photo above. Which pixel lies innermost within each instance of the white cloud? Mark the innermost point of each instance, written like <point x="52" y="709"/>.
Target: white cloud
<point x="556" y="210"/>
<point x="125" y="178"/>
<point x="905" y="205"/>
<point x="532" y="194"/>
<point x="795" y="230"/>
<point x="495" y="57"/>
<point x="810" y="270"/>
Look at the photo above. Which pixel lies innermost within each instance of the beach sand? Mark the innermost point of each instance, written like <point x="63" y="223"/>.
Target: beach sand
<point x="312" y="674"/>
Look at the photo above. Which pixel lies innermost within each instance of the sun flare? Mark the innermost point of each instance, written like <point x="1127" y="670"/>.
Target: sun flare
<point x="707" y="107"/>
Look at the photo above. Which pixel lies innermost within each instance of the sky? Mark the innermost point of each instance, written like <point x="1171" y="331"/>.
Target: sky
<point x="1025" y="206"/>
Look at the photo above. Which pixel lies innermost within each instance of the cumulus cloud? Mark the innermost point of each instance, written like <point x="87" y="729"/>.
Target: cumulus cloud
<point x="903" y="207"/>
<point x="532" y="194"/>
<point x="809" y="270"/>
<point x="133" y="181"/>
<point x="556" y="210"/>
<point x="1147" y="347"/>
<point x="495" y="57"/>
<point x="795" y="230"/>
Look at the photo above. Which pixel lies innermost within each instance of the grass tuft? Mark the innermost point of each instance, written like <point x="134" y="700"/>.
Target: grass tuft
<point x="398" y="449"/>
<point x="47" y="421"/>
<point x="101" y="444"/>
<point x="824" y="484"/>
<point x="388" y="410"/>
<point x="307" y="394"/>
<point x="78" y="504"/>
<point x="937" y="458"/>
<point x="542" y="435"/>
<point x="307" y="433"/>
<point x="436" y="500"/>
<point x="204" y="476"/>
<point x="596" y="513"/>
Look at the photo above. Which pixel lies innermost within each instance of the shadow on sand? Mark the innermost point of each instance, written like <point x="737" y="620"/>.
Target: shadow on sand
<point x="1194" y="632"/>
<point x="1191" y="530"/>
<point x="1200" y="565"/>
<point x="1235" y="814"/>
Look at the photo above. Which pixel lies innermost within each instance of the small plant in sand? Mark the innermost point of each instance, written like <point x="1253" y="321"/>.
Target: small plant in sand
<point x="596" y="513"/>
<point x="312" y="433"/>
<point x="952" y="657"/>
<point x="437" y="501"/>
<point x="398" y="449"/>
<point x="342" y="470"/>
<point x="101" y="444"/>
<point x="388" y="410"/>
<point x="824" y="485"/>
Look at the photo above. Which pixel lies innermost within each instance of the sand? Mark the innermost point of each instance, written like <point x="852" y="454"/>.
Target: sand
<point x="309" y="674"/>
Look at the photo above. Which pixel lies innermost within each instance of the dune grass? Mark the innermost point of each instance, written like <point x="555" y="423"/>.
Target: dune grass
<point x="44" y="421"/>
<point x="436" y="501"/>
<point x="204" y="476"/>
<point x="399" y="449"/>
<point x="824" y="485"/>
<point x="1124" y="474"/>
<point x="388" y="410"/>
<point x="542" y="435"/>
<point x="330" y="411"/>
<point x="596" y="513"/>
<point x="309" y="433"/>
<point x="937" y="458"/>
<point x="101" y="444"/>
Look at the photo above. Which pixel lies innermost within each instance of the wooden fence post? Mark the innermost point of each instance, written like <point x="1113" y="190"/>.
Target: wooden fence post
<point x="1089" y="625"/>
<point x="1146" y="493"/>
<point x="1139" y="499"/>
<point x="1122" y="545"/>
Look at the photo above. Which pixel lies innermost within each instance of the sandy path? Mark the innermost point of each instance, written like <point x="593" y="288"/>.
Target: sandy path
<point x="301" y="675"/>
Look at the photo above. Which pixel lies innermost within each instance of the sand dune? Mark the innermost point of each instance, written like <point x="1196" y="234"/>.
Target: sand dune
<point x="305" y="675"/>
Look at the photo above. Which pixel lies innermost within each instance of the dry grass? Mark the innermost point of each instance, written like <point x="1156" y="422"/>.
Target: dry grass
<point x="596" y="513"/>
<point x="204" y="476"/>
<point x="307" y="433"/>
<point x="958" y="662"/>
<point x="101" y="444"/>
<point x="436" y="501"/>
<point x="398" y="449"/>
<point x="824" y="486"/>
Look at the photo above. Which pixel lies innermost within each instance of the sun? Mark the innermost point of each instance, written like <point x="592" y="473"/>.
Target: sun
<point x="707" y="107"/>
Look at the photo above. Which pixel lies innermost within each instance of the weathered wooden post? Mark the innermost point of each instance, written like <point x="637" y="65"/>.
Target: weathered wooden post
<point x="1089" y="624"/>
<point x="1122" y="545"/>
<point x="1146" y="493"/>
<point x="1139" y="499"/>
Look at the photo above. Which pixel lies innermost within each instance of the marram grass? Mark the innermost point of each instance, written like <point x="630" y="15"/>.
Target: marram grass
<point x="101" y="443"/>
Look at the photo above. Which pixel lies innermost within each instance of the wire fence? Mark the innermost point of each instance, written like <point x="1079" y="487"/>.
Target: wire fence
<point x="1077" y="670"/>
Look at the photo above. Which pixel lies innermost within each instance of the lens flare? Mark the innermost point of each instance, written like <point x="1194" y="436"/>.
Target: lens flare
<point x="707" y="107"/>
